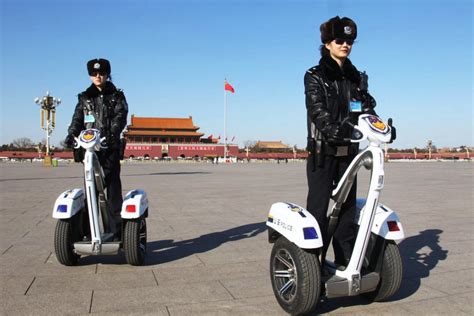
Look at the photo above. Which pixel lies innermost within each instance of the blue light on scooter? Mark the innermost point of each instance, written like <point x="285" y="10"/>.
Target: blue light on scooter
<point x="62" y="208"/>
<point x="310" y="233"/>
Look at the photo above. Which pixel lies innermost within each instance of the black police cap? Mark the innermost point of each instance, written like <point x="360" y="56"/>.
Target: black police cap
<point x="338" y="28"/>
<point x="98" y="65"/>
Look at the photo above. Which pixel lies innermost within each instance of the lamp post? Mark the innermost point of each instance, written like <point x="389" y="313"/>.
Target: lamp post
<point x="47" y="119"/>
<point x="430" y="145"/>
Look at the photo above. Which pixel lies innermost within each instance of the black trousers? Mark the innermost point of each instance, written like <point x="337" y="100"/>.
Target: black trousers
<point x="110" y="162"/>
<point x="321" y="182"/>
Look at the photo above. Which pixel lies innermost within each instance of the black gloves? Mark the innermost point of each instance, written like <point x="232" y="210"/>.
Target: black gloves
<point x="333" y="133"/>
<point x="111" y="140"/>
<point x="69" y="141"/>
<point x="394" y="131"/>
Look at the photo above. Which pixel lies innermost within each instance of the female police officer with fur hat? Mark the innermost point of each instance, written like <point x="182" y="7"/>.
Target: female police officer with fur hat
<point x="104" y="107"/>
<point x="335" y="90"/>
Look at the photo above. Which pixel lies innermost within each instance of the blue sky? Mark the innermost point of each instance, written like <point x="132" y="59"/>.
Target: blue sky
<point x="171" y="58"/>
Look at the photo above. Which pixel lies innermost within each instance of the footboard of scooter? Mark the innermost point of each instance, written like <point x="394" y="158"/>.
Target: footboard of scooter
<point x="294" y="223"/>
<point x="386" y="222"/>
<point x="135" y="205"/>
<point x="68" y="204"/>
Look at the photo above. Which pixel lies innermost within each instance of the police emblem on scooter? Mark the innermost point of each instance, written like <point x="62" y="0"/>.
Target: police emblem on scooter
<point x="299" y="271"/>
<point x="376" y="124"/>
<point x="88" y="135"/>
<point x="86" y="227"/>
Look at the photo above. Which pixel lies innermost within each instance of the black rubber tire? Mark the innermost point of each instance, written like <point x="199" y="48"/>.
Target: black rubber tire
<point x="64" y="237"/>
<point x="134" y="241"/>
<point x="302" y="296"/>
<point x="390" y="276"/>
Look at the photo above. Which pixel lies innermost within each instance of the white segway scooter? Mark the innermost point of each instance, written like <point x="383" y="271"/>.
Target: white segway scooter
<point x="375" y="267"/>
<point x="84" y="225"/>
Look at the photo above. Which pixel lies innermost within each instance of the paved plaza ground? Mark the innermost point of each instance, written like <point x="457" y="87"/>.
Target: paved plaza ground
<point x="207" y="242"/>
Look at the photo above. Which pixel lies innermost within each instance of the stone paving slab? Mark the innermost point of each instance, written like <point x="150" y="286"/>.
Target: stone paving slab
<point x="208" y="251"/>
<point x="202" y="273"/>
<point x="47" y="304"/>
<point x="266" y="305"/>
<point x="135" y="298"/>
<point x="88" y="282"/>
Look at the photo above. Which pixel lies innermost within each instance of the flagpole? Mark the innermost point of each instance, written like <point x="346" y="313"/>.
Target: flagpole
<point x="225" y="123"/>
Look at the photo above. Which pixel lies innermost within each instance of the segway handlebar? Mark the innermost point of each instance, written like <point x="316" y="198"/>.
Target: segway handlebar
<point x="356" y="134"/>
<point x="369" y="127"/>
<point x="90" y="138"/>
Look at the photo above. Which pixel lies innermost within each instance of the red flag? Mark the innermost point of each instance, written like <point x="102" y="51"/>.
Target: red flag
<point x="210" y="137"/>
<point x="228" y="87"/>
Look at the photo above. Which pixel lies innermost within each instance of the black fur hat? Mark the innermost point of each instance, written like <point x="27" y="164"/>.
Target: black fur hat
<point x="338" y="28"/>
<point x="98" y="65"/>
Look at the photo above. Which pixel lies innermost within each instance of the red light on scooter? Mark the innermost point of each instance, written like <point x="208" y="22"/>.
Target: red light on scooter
<point x="130" y="209"/>
<point x="393" y="226"/>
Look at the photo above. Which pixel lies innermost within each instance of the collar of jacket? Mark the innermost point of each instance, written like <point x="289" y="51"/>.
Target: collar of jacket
<point x="93" y="92"/>
<point x="334" y="73"/>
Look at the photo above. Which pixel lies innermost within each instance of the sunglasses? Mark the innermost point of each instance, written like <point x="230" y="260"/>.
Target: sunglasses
<point x="340" y="41"/>
<point x="100" y="73"/>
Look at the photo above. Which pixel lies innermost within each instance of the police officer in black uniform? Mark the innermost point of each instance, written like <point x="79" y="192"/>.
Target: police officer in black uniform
<point x="104" y="107"/>
<point x="335" y="90"/>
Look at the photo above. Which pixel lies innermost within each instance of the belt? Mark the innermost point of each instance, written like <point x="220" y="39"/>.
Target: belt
<point x="339" y="151"/>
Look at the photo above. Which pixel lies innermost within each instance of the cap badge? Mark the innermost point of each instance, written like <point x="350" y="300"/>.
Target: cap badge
<point x="347" y="30"/>
<point x="96" y="66"/>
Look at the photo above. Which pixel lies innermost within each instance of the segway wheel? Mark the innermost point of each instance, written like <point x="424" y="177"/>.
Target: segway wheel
<point x="296" y="277"/>
<point x="390" y="275"/>
<point x="64" y="237"/>
<point x="134" y="241"/>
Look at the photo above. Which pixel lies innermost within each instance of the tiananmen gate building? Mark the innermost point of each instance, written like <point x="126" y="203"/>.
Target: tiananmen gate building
<point x="170" y="137"/>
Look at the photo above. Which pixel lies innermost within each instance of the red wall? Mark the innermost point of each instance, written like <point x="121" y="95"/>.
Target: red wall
<point x="32" y="154"/>
<point x="176" y="150"/>
<point x="218" y="150"/>
<point x="142" y="150"/>
<point x="200" y="150"/>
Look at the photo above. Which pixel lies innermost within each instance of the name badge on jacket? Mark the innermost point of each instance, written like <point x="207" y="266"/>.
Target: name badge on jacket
<point x="355" y="106"/>
<point x="89" y="118"/>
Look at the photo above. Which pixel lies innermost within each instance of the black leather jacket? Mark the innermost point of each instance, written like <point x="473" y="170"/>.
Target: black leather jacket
<point x="109" y="108"/>
<point x="328" y="90"/>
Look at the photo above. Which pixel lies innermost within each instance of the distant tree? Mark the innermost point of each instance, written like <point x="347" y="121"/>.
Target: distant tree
<point x="22" y="143"/>
<point x="299" y="150"/>
<point x="41" y="146"/>
<point x="62" y="144"/>
<point x="7" y="147"/>
<point x="249" y="143"/>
